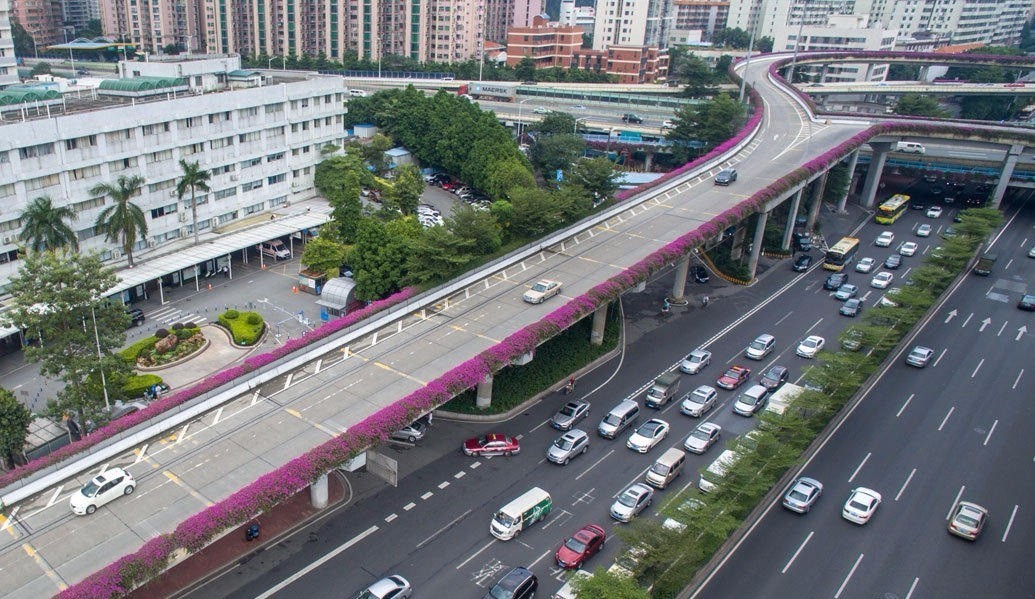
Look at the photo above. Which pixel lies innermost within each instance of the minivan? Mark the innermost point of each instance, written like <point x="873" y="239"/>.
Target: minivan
<point x="667" y="468"/>
<point x="760" y="347"/>
<point x="275" y="248"/>
<point x="621" y="417"/>
<point x="910" y="147"/>
<point x="357" y="93"/>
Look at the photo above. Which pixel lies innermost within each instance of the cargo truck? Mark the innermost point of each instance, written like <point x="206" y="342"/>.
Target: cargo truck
<point x="499" y="92"/>
<point x="664" y="388"/>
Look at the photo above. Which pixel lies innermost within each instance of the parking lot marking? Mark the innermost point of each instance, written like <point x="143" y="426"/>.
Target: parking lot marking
<point x="217" y="415"/>
<point x="800" y="547"/>
<point x="905" y="484"/>
<point x="859" y="467"/>
<point x="426" y="495"/>
<point x="183" y="433"/>
<point x="940" y="356"/>
<point x="7" y="521"/>
<point x="955" y="501"/>
<point x="391" y="517"/>
<point x="443" y="484"/>
<point x="286" y="582"/>
<point x="841" y="589"/>
<point x="538" y="559"/>
<point x="409" y="506"/>
<point x="1010" y="523"/>
<point x="946" y="419"/>
<point x="903" y="408"/>
<point x="1018" y="379"/>
<point x="443" y="529"/>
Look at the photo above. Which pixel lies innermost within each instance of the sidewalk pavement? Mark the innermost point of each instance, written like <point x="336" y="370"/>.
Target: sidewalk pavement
<point x="219" y="354"/>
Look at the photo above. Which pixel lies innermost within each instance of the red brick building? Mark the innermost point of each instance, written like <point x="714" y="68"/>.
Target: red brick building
<point x="629" y="64"/>
<point x="548" y="44"/>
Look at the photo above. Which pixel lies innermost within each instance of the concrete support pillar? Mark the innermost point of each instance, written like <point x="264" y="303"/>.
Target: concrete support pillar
<point x="817" y="200"/>
<point x="596" y="334"/>
<point x="792" y="214"/>
<point x="318" y="492"/>
<point x="483" y="398"/>
<point x="1004" y="177"/>
<point x="853" y="160"/>
<point x="648" y="161"/>
<point x="877" y="158"/>
<point x="680" y="283"/>
<point x="756" y="246"/>
<point x="738" y="242"/>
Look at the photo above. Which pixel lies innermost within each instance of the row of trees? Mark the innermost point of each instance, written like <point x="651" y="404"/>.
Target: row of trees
<point x="667" y="559"/>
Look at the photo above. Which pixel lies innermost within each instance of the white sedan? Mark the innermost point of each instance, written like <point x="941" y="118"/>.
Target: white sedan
<point x="884" y="239"/>
<point x="908" y="248"/>
<point x="882" y="280"/>
<point x="106" y="486"/>
<point x="648" y="435"/>
<point x="924" y="230"/>
<point x="810" y="346"/>
<point x="934" y="212"/>
<point x="542" y="291"/>
<point x="865" y="265"/>
<point x="861" y="505"/>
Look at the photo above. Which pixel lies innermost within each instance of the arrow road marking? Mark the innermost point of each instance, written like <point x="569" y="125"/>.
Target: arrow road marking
<point x="952" y="314"/>
<point x="1020" y="333"/>
<point x="984" y="323"/>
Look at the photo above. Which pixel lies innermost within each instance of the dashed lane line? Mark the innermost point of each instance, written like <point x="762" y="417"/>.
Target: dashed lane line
<point x="289" y="580"/>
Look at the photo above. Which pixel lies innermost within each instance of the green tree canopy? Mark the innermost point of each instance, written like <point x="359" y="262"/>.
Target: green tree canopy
<point x="193" y="180"/>
<point x="480" y="228"/>
<point x="123" y="221"/>
<point x="535" y="212"/>
<point x="44" y="226"/>
<point x="325" y="255"/>
<point x="554" y="123"/>
<point x="551" y="153"/>
<point x="14" y="426"/>
<point x="437" y="255"/>
<point x="918" y="105"/>
<point x="595" y="175"/>
<point x="605" y="585"/>
<point x="405" y="192"/>
<point x="379" y="257"/>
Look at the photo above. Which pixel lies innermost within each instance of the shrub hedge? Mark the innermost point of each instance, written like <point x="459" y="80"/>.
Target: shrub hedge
<point x="136" y="384"/>
<point x="244" y="327"/>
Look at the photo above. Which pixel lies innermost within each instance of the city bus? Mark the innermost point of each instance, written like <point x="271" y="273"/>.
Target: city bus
<point x="891" y="209"/>
<point x="841" y="253"/>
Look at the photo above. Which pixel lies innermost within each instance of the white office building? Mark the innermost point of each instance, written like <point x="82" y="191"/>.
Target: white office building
<point x="260" y="138"/>
<point x="840" y="32"/>
<point x="632" y="23"/>
<point x="8" y="61"/>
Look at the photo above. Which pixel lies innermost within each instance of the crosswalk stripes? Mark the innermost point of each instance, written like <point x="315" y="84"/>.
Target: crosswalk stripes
<point x="170" y="314"/>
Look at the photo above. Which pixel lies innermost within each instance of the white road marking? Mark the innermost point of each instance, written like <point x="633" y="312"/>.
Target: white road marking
<point x="391" y="517"/>
<point x="594" y="464"/>
<point x="439" y="531"/>
<point x="475" y="554"/>
<point x="859" y="467"/>
<point x="978" y="367"/>
<point x="1002" y="329"/>
<point x="800" y="547"/>
<point x="1018" y="379"/>
<point x="841" y="588"/>
<point x="475" y="465"/>
<point x="538" y="559"/>
<point x="990" y="431"/>
<point x="912" y="587"/>
<point x="409" y="506"/>
<point x="940" y="356"/>
<point x="903" y="408"/>
<point x="460" y="474"/>
<point x="54" y="498"/>
<point x="1010" y="523"/>
<point x="785" y="317"/>
<point x="946" y="419"/>
<point x="808" y="331"/>
<point x="534" y="429"/>
<point x="955" y="501"/>
<point x="443" y="484"/>
<point x="965" y="321"/>
<point x="905" y="484"/>
<point x="426" y="495"/>
<point x="284" y="584"/>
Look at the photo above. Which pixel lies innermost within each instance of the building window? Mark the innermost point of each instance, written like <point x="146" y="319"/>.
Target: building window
<point x="36" y="151"/>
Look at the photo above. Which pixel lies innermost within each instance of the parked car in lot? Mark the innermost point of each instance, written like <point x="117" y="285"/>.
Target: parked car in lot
<point x="810" y="346"/>
<point x="569" y="415"/>
<point x="648" y="435"/>
<point x="967" y="520"/>
<point x="392" y="587"/>
<point x="542" y="291"/>
<point x="101" y="490"/>
<point x="491" y="444"/>
<point x="851" y="307"/>
<point x="1026" y="303"/>
<point x="919" y="356"/>
<point x="695" y="361"/>
<point x="861" y="505"/>
<point x="702" y="437"/>
<point x="136" y="316"/>
<point x="698" y="401"/>
<point x="569" y="445"/>
<point x="726" y="176"/>
<point x="846" y="292"/>
<point x="802" y="263"/>
<point x="803" y="494"/>
<point x="775" y="377"/>
<point x="884" y="239"/>
<point x="579" y="547"/>
<point x="631" y="502"/>
<point x="865" y="265"/>
<point x="733" y="377"/>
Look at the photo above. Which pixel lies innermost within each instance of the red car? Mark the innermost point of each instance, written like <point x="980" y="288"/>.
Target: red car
<point x="579" y="547"/>
<point x="491" y="444"/>
<point x="734" y="377"/>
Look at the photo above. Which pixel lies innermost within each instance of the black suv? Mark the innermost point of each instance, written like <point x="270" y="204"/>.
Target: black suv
<point x="802" y="263"/>
<point x="631" y="118"/>
<point x="136" y="316"/>
<point x="519" y="583"/>
<point x="834" y="281"/>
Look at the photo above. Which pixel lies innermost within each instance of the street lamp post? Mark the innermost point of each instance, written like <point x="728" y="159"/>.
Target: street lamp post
<point x="35" y="50"/>
<point x="575" y="127"/>
<point x="747" y="62"/>
<point x="71" y="57"/>
<point x="519" y="122"/>
<point x="97" y="340"/>
<point x="797" y="41"/>
<point x="269" y="64"/>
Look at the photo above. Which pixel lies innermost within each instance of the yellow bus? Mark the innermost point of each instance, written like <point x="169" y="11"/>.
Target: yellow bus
<point x="841" y="253"/>
<point x="891" y="209"/>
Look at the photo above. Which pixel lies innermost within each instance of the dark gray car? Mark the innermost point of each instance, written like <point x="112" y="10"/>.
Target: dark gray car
<point x="570" y="415"/>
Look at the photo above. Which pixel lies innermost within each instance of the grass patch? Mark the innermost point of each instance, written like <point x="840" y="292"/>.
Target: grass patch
<point x="244" y="327"/>
<point x="553" y="360"/>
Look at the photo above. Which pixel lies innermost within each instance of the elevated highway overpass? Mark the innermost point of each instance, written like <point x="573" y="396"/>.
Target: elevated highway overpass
<point x="205" y="452"/>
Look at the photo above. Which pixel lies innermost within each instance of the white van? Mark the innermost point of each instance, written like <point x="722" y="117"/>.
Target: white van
<point x="666" y="469"/>
<point x="358" y="93"/>
<point x="910" y="147"/>
<point x="275" y="249"/>
<point x="716" y="470"/>
<point x="533" y="506"/>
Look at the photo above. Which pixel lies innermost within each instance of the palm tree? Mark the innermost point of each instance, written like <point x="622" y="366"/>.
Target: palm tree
<point x="193" y="179"/>
<point x="44" y="226"/>
<point x="122" y="221"/>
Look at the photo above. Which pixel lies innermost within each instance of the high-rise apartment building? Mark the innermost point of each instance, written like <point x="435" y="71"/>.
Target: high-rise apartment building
<point x="8" y="61"/>
<point x="41" y="19"/>
<point x="155" y="24"/>
<point x="580" y="16"/>
<point x="698" y="18"/>
<point x="840" y="32"/>
<point x="79" y="13"/>
<point x="632" y="23"/>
